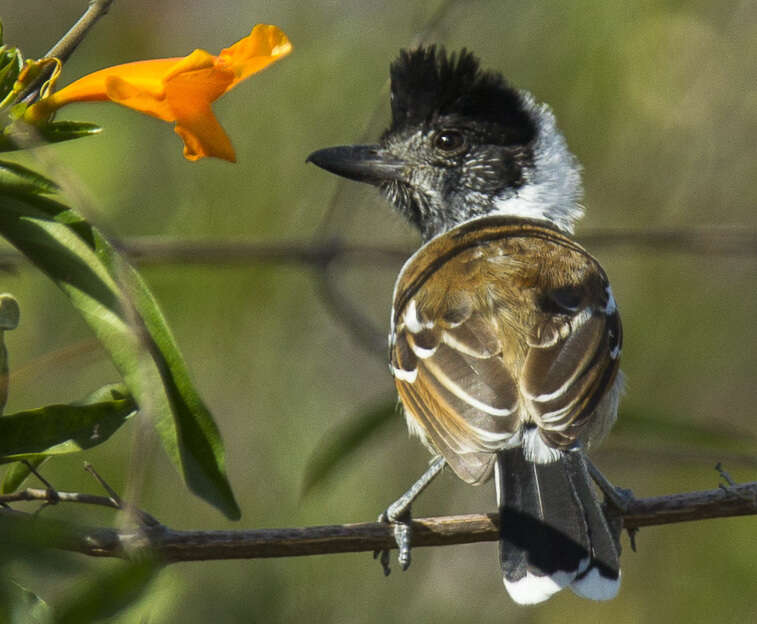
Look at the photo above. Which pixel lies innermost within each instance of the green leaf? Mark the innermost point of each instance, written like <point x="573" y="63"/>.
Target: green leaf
<point x="22" y="606"/>
<point x="61" y="429"/>
<point x="9" y="316"/>
<point x="118" y="306"/>
<point x="109" y="400"/>
<point x="18" y="472"/>
<point x="343" y="441"/>
<point x="57" y="131"/>
<point x="15" y="178"/>
<point x="11" y="63"/>
<point x="20" y="135"/>
<point x="107" y="594"/>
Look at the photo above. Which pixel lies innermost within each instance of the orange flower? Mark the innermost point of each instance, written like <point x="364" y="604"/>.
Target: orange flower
<point x="180" y="90"/>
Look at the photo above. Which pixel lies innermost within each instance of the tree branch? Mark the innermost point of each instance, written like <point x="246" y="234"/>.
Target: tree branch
<point x="174" y="545"/>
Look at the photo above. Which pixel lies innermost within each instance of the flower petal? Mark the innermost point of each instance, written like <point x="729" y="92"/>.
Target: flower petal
<point x="178" y="89"/>
<point x="202" y="134"/>
<point x="139" y="98"/>
<point x="263" y="46"/>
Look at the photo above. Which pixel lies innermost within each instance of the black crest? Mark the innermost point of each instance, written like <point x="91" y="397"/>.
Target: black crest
<point x="427" y="82"/>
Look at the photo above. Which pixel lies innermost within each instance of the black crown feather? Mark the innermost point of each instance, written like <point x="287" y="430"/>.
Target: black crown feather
<point x="427" y="82"/>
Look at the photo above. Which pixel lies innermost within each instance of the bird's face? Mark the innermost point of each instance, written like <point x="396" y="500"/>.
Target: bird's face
<point x="453" y="170"/>
<point x="463" y="144"/>
<point x="437" y="174"/>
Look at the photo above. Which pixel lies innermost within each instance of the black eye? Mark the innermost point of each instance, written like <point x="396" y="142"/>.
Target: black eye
<point x="449" y="140"/>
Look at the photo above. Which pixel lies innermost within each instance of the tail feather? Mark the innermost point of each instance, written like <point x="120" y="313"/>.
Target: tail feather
<point x="553" y="533"/>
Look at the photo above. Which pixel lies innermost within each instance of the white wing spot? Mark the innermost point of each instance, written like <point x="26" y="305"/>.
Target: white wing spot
<point x="405" y="375"/>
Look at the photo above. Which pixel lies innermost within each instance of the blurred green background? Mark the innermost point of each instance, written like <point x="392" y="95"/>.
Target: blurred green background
<point x="658" y="99"/>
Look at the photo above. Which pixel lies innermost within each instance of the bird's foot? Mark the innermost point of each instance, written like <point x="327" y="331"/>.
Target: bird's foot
<point x="620" y="498"/>
<point x="402" y="527"/>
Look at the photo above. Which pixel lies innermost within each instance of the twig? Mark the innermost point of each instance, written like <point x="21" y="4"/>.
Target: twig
<point x="71" y="40"/>
<point x="173" y="546"/>
<point x="67" y="44"/>
<point x="117" y="502"/>
<point x="53" y="496"/>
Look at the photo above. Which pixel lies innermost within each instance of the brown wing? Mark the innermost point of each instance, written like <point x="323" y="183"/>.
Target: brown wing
<point x="453" y="382"/>
<point x="572" y="361"/>
<point x="497" y="327"/>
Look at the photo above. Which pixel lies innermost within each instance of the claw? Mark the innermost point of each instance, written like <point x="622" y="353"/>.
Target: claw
<point x="398" y="515"/>
<point x="383" y="557"/>
<point x="402" y="536"/>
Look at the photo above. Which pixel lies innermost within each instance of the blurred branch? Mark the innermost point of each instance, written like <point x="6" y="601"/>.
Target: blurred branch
<point x="160" y="251"/>
<point x="711" y="240"/>
<point x="730" y="241"/>
<point x="173" y="546"/>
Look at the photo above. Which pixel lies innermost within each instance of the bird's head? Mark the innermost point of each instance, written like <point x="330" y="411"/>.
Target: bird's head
<point x="463" y="144"/>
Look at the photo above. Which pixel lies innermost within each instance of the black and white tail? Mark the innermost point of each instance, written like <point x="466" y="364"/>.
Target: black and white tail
<point x="553" y="533"/>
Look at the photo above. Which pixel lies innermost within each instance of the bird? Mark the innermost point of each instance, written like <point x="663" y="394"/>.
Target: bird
<point x="505" y="337"/>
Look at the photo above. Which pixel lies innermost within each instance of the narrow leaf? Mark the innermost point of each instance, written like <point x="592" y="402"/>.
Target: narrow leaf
<point x="9" y="316"/>
<point x="15" y="178"/>
<point x="20" y="135"/>
<point x="343" y="442"/>
<point x="61" y="429"/>
<point x="11" y="63"/>
<point x="124" y="316"/>
<point x="23" y="606"/>
<point x="58" y="131"/>
<point x="18" y="472"/>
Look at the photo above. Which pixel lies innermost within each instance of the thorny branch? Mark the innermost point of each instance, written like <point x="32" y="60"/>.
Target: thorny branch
<point x="173" y="545"/>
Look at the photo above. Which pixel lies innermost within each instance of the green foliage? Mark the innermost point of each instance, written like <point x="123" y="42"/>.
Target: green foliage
<point x="11" y="63"/>
<point x="9" y="315"/>
<point x="15" y="178"/>
<point x="19" y="605"/>
<point x="60" y="429"/>
<point x="37" y="434"/>
<point x="16" y="474"/>
<point x="21" y="136"/>
<point x="119" y="308"/>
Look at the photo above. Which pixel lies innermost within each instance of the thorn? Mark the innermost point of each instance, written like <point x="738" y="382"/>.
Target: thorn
<point x="111" y="492"/>
<point x="724" y="475"/>
<point x="145" y="518"/>
<point x="731" y="484"/>
<point x="52" y="493"/>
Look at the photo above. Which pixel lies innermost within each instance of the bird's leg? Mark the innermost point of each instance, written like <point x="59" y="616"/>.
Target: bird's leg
<point x="618" y="497"/>
<point x="398" y="514"/>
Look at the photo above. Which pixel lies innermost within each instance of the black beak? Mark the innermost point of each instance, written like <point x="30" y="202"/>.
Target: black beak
<point x="364" y="163"/>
